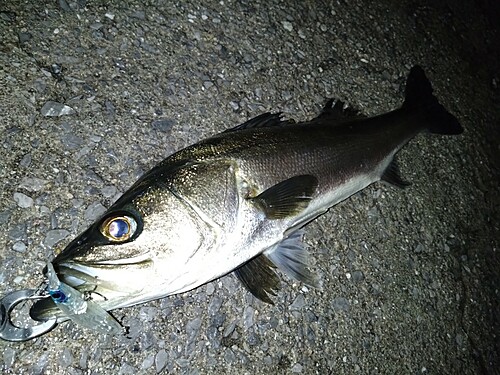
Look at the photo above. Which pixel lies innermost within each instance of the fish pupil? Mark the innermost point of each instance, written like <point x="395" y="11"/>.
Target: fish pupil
<point x="118" y="228"/>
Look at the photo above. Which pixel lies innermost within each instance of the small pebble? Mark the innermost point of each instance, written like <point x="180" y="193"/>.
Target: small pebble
<point x="96" y="25"/>
<point x="148" y="362"/>
<point x="215" y="304"/>
<point x="94" y="211"/>
<point x="287" y="26"/>
<point x="54" y="109"/>
<point x="32" y="183"/>
<point x="210" y="289"/>
<point x="298" y="303"/>
<point x="54" y="236"/>
<point x="23" y="200"/>
<point x="193" y="326"/>
<point x="161" y="360"/>
<point x="163" y="125"/>
<point x="147" y="313"/>
<point x="341" y="304"/>
<point x="4" y="217"/>
<point x="83" y="359"/>
<point x="248" y="317"/>
<point x="26" y="160"/>
<point x="20" y="247"/>
<point x="9" y="356"/>
<point x="66" y="358"/>
<point x="234" y="105"/>
<point x="17" y="232"/>
<point x="229" y="356"/>
<point x="24" y="37"/>
<point x="64" y="5"/>
<point x="109" y="191"/>
<point x="357" y="276"/>
<point x="110" y="108"/>
<point x="41" y="363"/>
<point x="182" y="362"/>
<point x="229" y="329"/>
<point x="139" y="14"/>
<point x="297" y="368"/>
<point x="127" y="369"/>
<point x="71" y="141"/>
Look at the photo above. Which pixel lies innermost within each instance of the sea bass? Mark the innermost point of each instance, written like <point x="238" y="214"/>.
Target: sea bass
<point x="237" y="202"/>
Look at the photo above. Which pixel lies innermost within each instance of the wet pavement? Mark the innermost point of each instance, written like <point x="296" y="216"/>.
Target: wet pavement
<point x="93" y="94"/>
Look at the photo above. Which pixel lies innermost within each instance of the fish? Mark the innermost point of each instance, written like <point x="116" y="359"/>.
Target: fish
<point x="237" y="202"/>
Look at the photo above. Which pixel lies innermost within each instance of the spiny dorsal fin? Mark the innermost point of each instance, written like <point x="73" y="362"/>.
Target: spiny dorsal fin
<point x="287" y="198"/>
<point x="290" y="256"/>
<point x="258" y="276"/>
<point x="262" y="121"/>
<point x="392" y="176"/>
<point x="337" y="112"/>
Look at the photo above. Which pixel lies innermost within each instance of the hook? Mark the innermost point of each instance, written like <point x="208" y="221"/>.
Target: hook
<point x="11" y="332"/>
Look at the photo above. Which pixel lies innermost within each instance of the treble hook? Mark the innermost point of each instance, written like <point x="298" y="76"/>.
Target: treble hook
<point x="11" y="332"/>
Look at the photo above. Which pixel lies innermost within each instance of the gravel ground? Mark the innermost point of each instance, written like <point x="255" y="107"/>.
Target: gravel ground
<point x="410" y="277"/>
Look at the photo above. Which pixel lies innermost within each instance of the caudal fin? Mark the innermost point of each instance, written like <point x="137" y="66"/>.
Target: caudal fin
<point x="418" y="96"/>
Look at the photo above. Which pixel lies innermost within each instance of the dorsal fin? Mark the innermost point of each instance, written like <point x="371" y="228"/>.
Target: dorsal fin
<point x="336" y="111"/>
<point x="262" y="121"/>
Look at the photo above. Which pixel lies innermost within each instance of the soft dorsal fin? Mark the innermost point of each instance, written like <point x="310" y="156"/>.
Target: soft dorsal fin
<point x="258" y="276"/>
<point x="287" y="198"/>
<point x="262" y="121"/>
<point x="338" y="112"/>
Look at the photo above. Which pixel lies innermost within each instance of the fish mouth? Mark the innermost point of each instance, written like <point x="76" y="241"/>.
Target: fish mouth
<point x="110" y="283"/>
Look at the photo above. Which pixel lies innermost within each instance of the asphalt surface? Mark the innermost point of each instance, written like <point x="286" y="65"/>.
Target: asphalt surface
<point x="410" y="277"/>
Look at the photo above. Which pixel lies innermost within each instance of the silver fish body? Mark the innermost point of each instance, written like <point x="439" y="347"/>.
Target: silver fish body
<point x="237" y="201"/>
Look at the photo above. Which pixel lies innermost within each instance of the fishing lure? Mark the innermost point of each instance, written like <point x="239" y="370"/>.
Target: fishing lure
<point x="74" y="305"/>
<point x="83" y="311"/>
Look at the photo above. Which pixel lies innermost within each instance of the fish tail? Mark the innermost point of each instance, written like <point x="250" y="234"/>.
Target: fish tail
<point x="419" y="97"/>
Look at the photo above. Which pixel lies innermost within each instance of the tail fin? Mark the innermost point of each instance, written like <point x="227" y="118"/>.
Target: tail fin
<point x="418" y="96"/>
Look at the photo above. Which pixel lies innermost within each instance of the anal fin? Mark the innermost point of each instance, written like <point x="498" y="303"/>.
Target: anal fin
<point x="392" y="176"/>
<point x="287" y="198"/>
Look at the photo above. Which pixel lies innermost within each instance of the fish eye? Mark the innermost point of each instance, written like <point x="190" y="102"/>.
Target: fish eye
<point x="119" y="228"/>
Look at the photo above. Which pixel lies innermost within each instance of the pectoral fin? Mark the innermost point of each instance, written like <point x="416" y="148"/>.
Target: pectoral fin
<point x="288" y="198"/>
